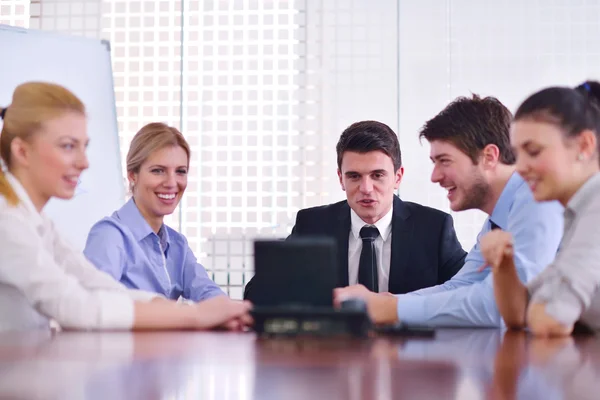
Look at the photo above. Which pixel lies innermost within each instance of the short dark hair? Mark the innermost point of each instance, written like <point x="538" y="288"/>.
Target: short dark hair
<point x="470" y="124"/>
<point x="573" y="110"/>
<point x="366" y="136"/>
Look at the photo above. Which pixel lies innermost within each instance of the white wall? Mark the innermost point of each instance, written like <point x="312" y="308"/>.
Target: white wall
<point x="507" y="49"/>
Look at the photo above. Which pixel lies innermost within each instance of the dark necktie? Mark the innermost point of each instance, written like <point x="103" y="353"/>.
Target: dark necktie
<point x="367" y="267"/>
<point x="494" y="225"/>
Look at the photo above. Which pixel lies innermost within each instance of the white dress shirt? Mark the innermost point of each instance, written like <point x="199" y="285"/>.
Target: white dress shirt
<point x="43" y="278"/>
<point x="383" y="248"/>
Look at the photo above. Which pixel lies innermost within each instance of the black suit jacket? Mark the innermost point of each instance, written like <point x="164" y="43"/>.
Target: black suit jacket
<point x="425" y="249"/>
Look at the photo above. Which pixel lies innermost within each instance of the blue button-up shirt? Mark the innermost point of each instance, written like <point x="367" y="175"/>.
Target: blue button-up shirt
<point x="467" y="300"/>
<point x="126" y="247"/>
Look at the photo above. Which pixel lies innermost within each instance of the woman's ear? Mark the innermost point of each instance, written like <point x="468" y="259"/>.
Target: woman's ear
<point x="20" y="151"/>
<point x="132" y="178"/>
<point x="587" y="144"/>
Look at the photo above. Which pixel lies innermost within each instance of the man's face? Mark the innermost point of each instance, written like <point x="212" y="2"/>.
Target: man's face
<point x="370" y="182"/>
<point x="465" y="182"/>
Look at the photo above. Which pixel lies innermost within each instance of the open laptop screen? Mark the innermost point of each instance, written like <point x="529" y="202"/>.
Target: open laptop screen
<point x="296" y="271"/>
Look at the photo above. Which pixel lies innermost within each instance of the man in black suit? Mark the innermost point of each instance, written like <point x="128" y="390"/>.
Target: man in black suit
<point x="384" y="243"/>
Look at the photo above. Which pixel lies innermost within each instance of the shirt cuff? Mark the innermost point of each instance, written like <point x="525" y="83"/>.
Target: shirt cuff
<point x="411" y="309"/>
<point x="560" y="300"/>
<point x="117" y="311"/>
<point x="565" y="309"/>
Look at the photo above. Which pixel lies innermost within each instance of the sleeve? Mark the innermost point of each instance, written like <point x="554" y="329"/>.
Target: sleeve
<point x="297" y="228"/>
<point x="451" y="254"/>
<point x="467" y="275"/>
<point x="249" y="290"/>
<point x="569" y="284"/>
<point x="105" y="249"/>
<point x="197" y="285"/>
<point x="466" y="306"/>
<point x="53" y="291"/>
<point x="536" y="229"/>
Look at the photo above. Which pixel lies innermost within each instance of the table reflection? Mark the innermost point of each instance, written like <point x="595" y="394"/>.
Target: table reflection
<point x="126" y="366"/>
<point x="489" y="364"/>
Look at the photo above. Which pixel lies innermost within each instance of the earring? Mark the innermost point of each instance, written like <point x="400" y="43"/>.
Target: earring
<point x="580" y="157"/>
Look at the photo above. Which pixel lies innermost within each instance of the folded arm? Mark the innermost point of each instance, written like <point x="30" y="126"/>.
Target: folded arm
<point x="510" y="294"/>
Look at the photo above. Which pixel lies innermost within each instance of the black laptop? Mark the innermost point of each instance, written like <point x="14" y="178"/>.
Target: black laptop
<point x="297" y="272"/>
<point x="293" y="290"/>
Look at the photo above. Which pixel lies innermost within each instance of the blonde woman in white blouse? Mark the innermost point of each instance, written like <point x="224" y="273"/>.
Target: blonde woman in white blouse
<point x="42" y="144"/>
<point x="556" y="137"/>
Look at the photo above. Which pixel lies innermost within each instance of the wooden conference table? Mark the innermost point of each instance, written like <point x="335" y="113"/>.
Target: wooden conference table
<point x="457" y="364"/>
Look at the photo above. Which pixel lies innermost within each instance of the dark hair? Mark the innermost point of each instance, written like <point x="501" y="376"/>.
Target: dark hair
<point x="470" y="124"/>
<point x="573" y="109"/>
<point x="366" y="136"/>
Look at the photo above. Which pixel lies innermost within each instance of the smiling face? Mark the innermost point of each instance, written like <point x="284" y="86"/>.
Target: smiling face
<point x="369" y="181"/>
<point x="454" y="171"/>
<point x="549" y="162"/>
<point x="53" y="159"/>
<point x="160" y="183"/>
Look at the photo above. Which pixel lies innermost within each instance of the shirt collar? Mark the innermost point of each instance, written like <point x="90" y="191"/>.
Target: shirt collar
<point x="505" y="201"/>
<point x="384" y="225"/>
<point x="133" y="218"/>
<point x="586" y="192"/>
<point x="163" y="236"/>
<point x="25" y="200"/>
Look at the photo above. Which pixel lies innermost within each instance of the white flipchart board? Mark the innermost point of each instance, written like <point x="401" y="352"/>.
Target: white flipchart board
<point x="83" y="66"/>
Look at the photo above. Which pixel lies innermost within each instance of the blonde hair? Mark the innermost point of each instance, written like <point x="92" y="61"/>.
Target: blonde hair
<point x="32" y="104"/>
<point x="152" y="137"/>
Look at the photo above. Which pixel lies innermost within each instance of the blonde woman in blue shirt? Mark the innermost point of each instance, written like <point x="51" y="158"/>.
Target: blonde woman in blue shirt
<point x="556" y="134"/>
<point x="134" y="245"/>
<point x="42" y="278"/>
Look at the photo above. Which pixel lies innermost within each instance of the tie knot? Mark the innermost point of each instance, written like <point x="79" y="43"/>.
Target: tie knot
<point x="369" y="232"/>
